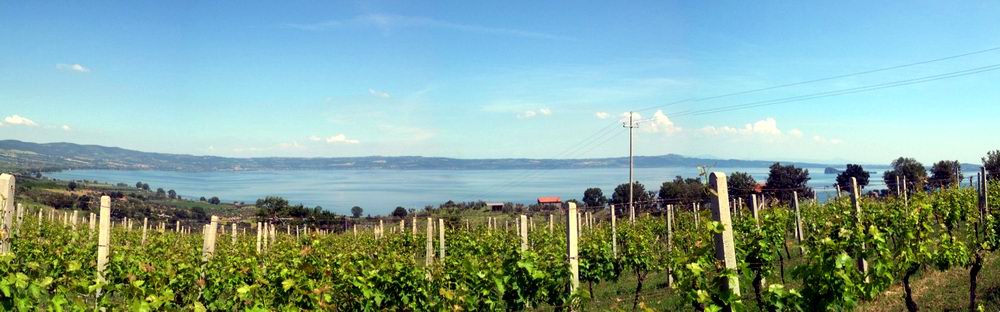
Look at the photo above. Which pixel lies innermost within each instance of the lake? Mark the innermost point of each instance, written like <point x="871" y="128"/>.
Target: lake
<point x="380" y="191"/>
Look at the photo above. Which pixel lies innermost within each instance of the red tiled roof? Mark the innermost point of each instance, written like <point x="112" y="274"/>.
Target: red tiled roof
<point x="549" y="200"/>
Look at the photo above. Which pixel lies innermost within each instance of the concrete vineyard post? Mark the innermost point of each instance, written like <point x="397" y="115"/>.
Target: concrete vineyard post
<point x="551" y="223"/>
<point x="985" y="198"/>
<point x="354" y="229"/>
<point x="75" y="216"/>
<point x="413" y="226"/>
<point x="838" y="191"/>
<point x="233" y="230"/>
<point x="856" y="201"/>
<point x="20" y="216"/>
<point x="614" y="232"/>
<point x="145" y="223"/>
<point x="524" y="232"/>
<point x="7" y="189"/>
<point x="430" y="242"/>
<point x="208" y="246"/>
<point x="402" y="226"/>
<point x="725" y="249"/>
<point x="441" y="238"/>
<point x="258" y="238"/>
<point x="177" y="227"/>
<point x="798" y="221"/>
<point x="670" y="243"/>
<point x="694" y="208"/>
<point x="906" y="193"/>
<point x="571" y="247"/>
<point x="104" y="237"/>
<point x="897" y="185"/>
<point x="93" y="223"/>
<point x="756" y="211"/>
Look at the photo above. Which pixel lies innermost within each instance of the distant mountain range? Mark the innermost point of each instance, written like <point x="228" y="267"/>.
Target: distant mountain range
<point x="58" y="156"/>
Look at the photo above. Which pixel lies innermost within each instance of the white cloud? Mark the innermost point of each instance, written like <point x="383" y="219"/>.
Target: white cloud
<point x="73" y="67"/>
<point x="293" y="145"/>
<point x="19" y="121"/>
<point x="534" y="113"/>
<point x="795" y="133"/>
<point x="767" y="127"/>
<point x="315" y="138"/>
<point x="341" y="139"/>
<point x="602" y="115"/>
<point x="381" y="94"/>
<point x="660" y="123"/>
<point x="66" y="128"/>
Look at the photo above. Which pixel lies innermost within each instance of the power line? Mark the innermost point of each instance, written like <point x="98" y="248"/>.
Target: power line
<point x="865" y="72"/>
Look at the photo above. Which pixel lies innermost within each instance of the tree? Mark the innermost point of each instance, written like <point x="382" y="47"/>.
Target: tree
<point x="138" y="185"/>
<point x="160" y="193"/>
<point x="172" y="194"/>
<point x="202" y="199"/>
<point x="853" y="171"/>
<point x="741" y="185"/>
<point x="272" y="206"/>
<point x="992" y="164"/>
<point x="945" y="173"/>
<point x="145" y="187"/>
<point x="782" y="180"/>
<point x="399" y="212"/>
<point x="356" y="211"/>
<point x="594" y="197"/>
<point x="683" y="191"/>
<point x="214" y="200"/>
<point x="910" y="169"/>
<point x="640" y="197"/>
<point x="71" y="186"/>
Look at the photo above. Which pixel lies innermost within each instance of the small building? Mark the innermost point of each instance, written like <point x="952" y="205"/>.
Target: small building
<point x="495" y="206"/>
<point x="549" y="202"/>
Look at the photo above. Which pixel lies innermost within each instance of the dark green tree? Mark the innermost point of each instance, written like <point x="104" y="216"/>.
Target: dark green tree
<point x="214" y="200"/>
<point x="356" y="211"/>
<point x="909" y="168"/>
<point x="138" y="185"/>
<point x="71" y="186"/>
<point x="172" y="194"/>
<point x="945" y="173"/>
<point x="992" y="164"/>
<point x="272" y="206"/>
<point x="400" y="212"/>
<point x="640" y="197"/>
<point x="853" y="171"/>
<point x="160" y="193"/>
<point x="741" y="185"/>
<point x="202" y="199"/>
<point x="682" y="191"/>
<point x="594" y="197"/>
<point x="782" y="180"/>
<point x="145" y="187"/>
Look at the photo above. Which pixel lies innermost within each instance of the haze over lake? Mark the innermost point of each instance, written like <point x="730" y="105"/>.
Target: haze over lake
<point x="380" y="191"/>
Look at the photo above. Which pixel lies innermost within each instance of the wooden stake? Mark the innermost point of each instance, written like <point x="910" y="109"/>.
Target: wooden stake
<point x="441" y="238"/>
<point x="103" y="238"/>
<point x="260" y="238"/>
<point x="145" y="223"/>
<point x="430" y="242"/>
<point x="856" y="201"/>
<point x="524" y="232"/>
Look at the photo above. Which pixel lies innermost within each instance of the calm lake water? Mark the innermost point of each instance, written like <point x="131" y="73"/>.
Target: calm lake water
<point x="380" y="191"/>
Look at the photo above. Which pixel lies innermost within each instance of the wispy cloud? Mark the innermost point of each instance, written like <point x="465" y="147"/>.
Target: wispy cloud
<point x="658" y="123"/>
<point x="336" y="139"/>
<point x="545" y="112"/>
<point x="380" y="94"/>
<point x="73" y="67"/>
<point x="66" y="128"/>
<point x="389" y="22"/>
<point x="17" y="120"/>
<point x="602" y="115"/>
<point x="763" y="127"/>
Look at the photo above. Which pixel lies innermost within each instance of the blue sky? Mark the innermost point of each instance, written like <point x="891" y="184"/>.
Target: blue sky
<point x="499" y="79"/>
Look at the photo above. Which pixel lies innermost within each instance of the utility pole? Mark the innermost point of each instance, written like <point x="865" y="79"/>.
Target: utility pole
<point x="631" y="206"/>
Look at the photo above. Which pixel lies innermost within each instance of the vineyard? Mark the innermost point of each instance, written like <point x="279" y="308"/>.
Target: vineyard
<point x="790" y="256"/>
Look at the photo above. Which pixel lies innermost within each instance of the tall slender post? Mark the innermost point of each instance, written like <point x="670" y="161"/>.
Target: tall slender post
<point x="551" y="223"/>
<point x="260" y="237"/>
<point x="897" y="185"/>
<point x="694" y="208"/>
<point x="7" y="189"/>
<point x="104" y="237"/>
<point x="208" y="244"/>
<point x="233" y="230"/>
<point x="906" y="192"/>
<point x="631" y="204"/>
<point x="571" y="247"/>
<point x="670" y="243"/>
<point x="986" y="188"/>
<point x="524" y="232"/>
<point x="614" y="232"/>
<point x="441" y="238"/>
<point x="798" y="220"/>
<point x="20" y="216"/>
<point x="725" y="247"/>
<point x="430" y="241"/>
<point x="856" y="201"/>
<point x="145" y="223"/>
